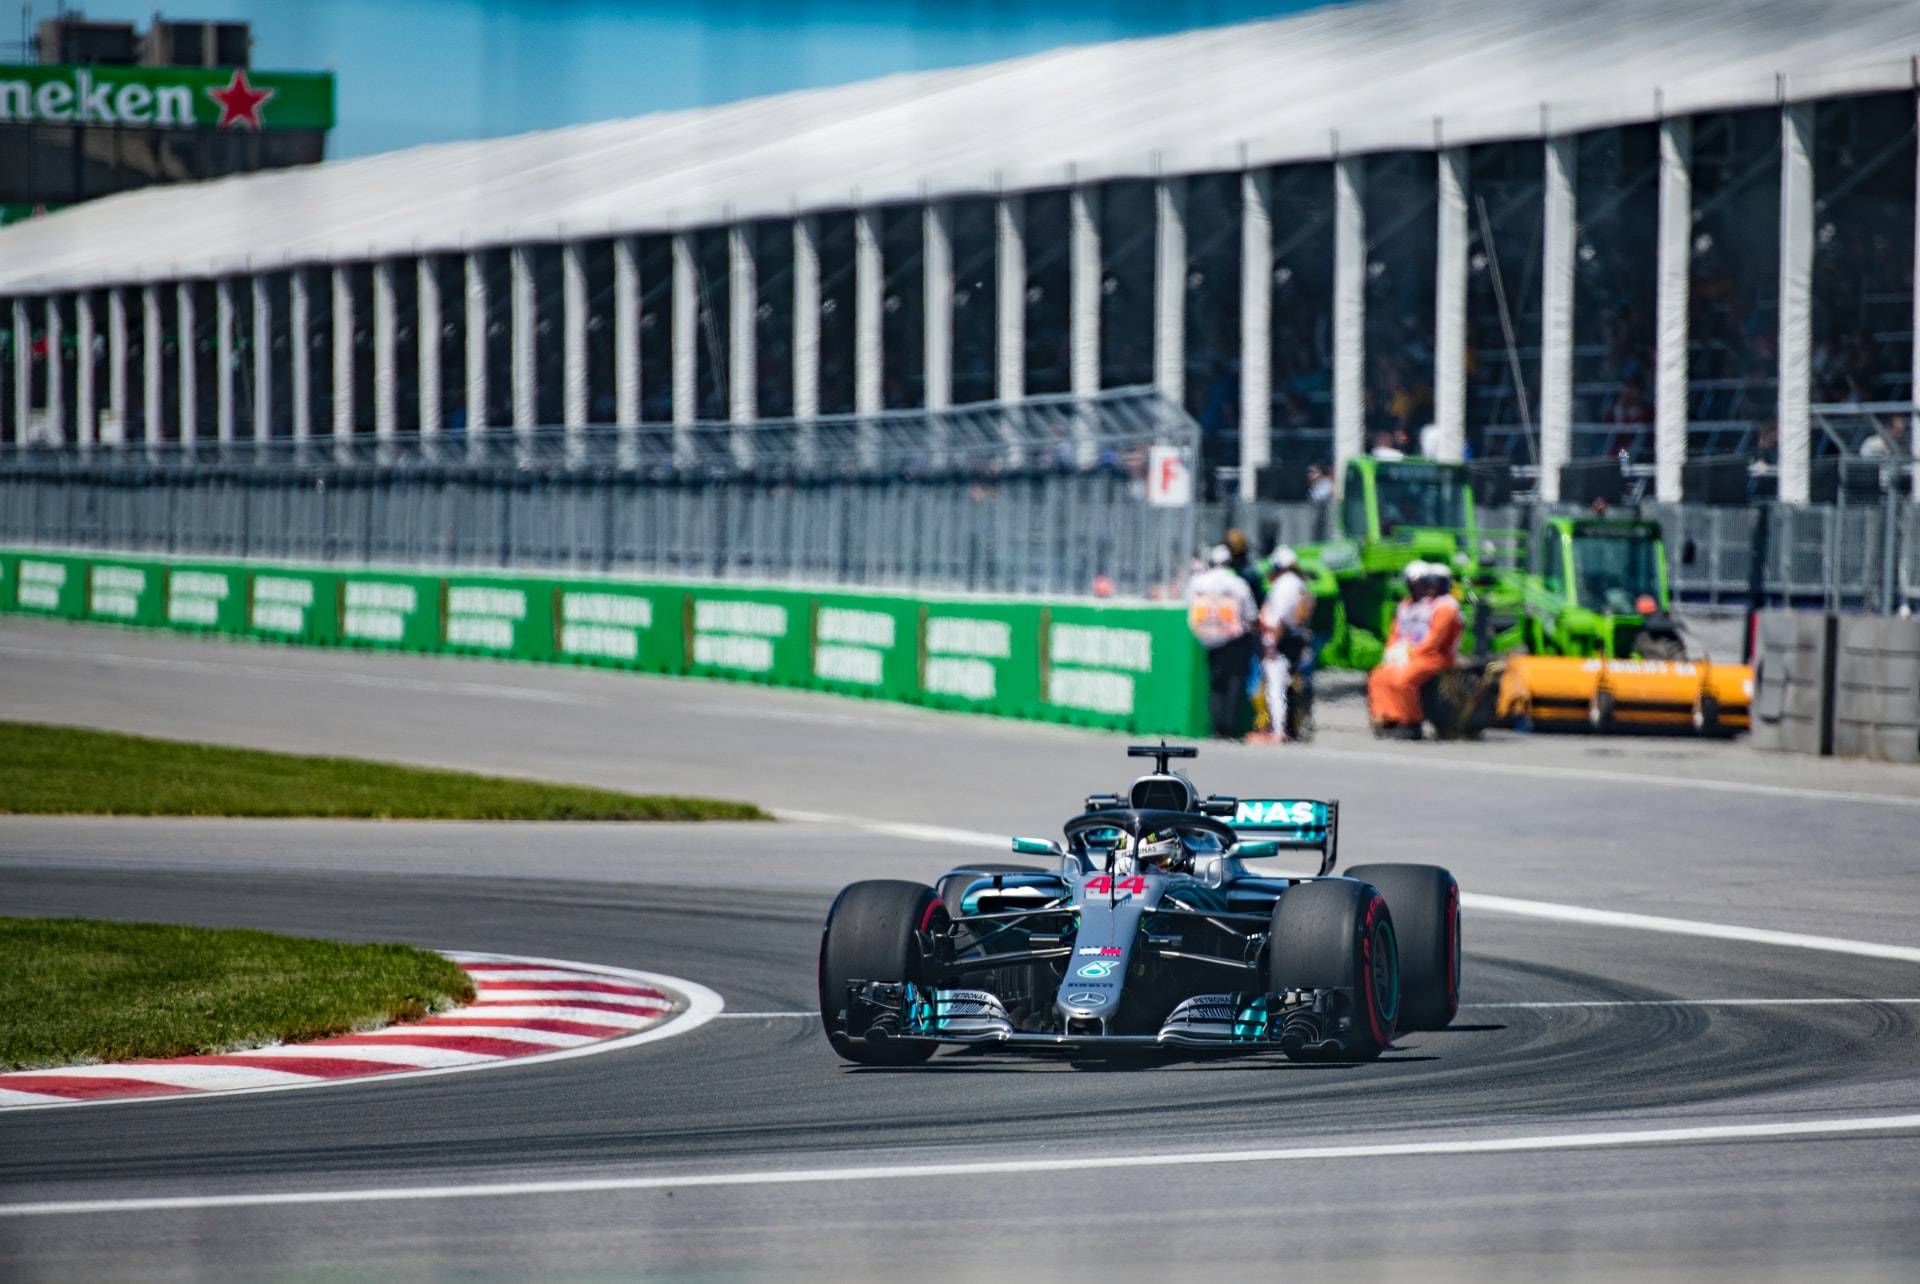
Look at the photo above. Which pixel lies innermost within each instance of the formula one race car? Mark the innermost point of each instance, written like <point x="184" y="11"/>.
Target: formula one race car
<point x="1151" y="932"/>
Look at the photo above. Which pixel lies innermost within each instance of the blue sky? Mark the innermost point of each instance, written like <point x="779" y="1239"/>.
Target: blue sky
<point x="420" y="71"/>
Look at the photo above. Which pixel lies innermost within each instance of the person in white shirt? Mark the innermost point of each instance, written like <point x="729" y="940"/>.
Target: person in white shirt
<point x="1221" y="613"/>
<point x="1286" y="630"/>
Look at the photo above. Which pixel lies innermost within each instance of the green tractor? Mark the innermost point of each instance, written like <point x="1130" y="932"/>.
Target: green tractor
<point x="1598" y="588"/>
<point x="1392" y="513"/>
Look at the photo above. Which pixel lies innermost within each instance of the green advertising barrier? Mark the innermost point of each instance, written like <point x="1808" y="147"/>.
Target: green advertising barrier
<point x="627" y="626"/>
<point x="127" y="592"/>
<point x="207" y="597"/>
<point x="866" y="646"/>
<point x="396" y="610"/>
<point x="1132" y="667"/>
<point x="293" y="605"/>
<point x="1135" y="668"/>
<point x="492" y="615"/>
<point x="756" y="635"/>
<point x="979" y="657"/>
<point x="51" y="584"/>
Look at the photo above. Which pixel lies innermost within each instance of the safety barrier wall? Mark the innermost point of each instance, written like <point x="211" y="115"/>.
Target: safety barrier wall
<point x="1846" y="685"/>
<point x="1127" y="667"/>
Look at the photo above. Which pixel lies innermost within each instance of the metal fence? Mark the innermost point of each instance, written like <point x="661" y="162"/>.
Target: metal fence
<point x="1045" y="496"/>
<point x="1847" y="556"/>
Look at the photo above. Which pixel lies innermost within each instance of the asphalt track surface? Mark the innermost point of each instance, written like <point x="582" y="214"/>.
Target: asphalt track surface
<point x="729" y="1113"/>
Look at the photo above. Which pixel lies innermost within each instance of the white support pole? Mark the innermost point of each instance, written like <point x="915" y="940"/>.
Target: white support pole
<point x="1010" y="297"/>
<point x="300" y="349"/>
<point x="1170" y="288"/>
<point x="117" y="407"/>
<point x="1349" y="314"/>
<point x="806" y="317"/>
<point x="153" y="430"/>
<point x="1671" y="289"/>
<point x="1796" y="303"/>
<point x="1913" y="386"/>
<point x="56" y="374"/>
<point x="936" y="255"/>
<point x="188" y="326"/>
<point x="1083" y="290"/>
<point x="427" y="327"/>
<point x="743" y="355"/>
<point x="743" y="317"/>
<point x="573" y="327"/>
<point x="342" y="362"/>
<point x="84" y="395"/>
<point x="1450" y="309"/>
<point x="262" y="361"/>
<point x="386" y="365"/>
<point x="22" y="371"/>
<point x="1083" y="315"/>
<point x="686" y="345"/>
<point x="1562" y="231"/>
<point x="522" y="321"/>
<point x="1256" y="328"/>
<point x="223" y="420"/>
<point x="869" y="292"/>
<point x="626" y="333"/>
<point x="476" y="359"/>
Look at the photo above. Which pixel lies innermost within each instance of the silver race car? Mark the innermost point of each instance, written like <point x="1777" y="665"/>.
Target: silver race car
<point x="1148" y="931"/>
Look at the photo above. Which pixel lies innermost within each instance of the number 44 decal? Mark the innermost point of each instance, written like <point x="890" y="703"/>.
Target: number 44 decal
<point x="1105" y="886"/>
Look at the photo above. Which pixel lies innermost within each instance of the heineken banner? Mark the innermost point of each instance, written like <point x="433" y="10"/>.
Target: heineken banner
<point x="1131" y="667"/>
<point x="162" y="97"/>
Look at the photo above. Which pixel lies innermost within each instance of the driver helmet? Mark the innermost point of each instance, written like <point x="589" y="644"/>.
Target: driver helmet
<point x="1163" y="852"/>
<point x="1415" y="572"/>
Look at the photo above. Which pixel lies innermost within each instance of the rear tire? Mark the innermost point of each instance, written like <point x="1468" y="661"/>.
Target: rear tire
<point x="1338" y="934"/>
<point x="870" y="935"/>
<point x="1425" y="903"/>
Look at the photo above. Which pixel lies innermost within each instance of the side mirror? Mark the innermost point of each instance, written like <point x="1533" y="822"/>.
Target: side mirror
<point x="1035" y="847"/>
<point x="1256" y="848"/>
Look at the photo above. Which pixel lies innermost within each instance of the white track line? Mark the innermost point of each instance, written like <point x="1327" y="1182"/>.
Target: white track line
<point x="1688" y="1003"/>
<point x="1684" y="927"/>
<point x="1485" y="766"/>
<point x="1709" y="1133"/>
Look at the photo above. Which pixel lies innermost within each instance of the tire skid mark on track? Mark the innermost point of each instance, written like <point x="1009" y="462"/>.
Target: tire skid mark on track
<point x="1639" y="1137"/>
<point x="525" y="1010"/>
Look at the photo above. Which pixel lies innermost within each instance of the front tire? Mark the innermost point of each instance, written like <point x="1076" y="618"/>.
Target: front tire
<point x="871" y="934"/>
<point x="1338" y="934"/>
<point x="1425" y="902"/>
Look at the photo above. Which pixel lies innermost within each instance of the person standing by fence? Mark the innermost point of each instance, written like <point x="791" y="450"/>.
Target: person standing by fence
<point x="1286" y="629"/>
<point x="1222" y="614"/>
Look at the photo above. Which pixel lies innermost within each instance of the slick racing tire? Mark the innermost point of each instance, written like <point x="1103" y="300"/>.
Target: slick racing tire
<point x="953" y="884"/>
<point x="1425" y="903"/>
<point x="871" y="935"/>
<point x="1338" y="934"/>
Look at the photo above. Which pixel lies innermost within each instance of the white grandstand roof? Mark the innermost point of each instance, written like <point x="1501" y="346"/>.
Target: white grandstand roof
<point x="1361" y="77"/>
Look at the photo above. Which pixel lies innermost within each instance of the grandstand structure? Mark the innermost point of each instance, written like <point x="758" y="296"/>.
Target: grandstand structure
<point x="1538" y="232"/>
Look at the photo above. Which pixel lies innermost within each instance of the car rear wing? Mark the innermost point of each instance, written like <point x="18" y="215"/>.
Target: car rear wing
<point x="1291" y="824"/>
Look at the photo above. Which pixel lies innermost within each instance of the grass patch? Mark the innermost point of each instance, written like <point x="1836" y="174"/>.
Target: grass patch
<point x="66" y="770"/>
<point x="74" y="989"/>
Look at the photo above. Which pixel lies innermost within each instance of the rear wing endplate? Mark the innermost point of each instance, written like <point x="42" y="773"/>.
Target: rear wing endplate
<point x="1293" y="824"/>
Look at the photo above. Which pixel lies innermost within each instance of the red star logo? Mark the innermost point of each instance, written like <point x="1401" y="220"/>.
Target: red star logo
<point x="240" y="102"/>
